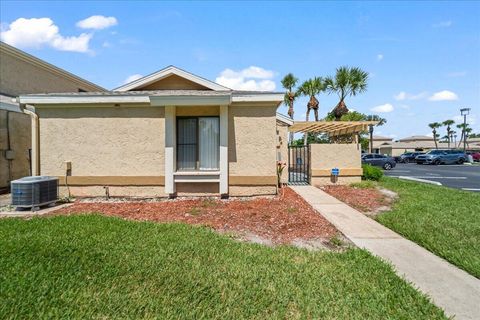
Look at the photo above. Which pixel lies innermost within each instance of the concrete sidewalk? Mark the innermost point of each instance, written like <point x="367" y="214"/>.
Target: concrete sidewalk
<point x="450" y="288"/>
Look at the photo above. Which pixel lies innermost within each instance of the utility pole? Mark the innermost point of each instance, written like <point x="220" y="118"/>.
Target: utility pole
<point x="464" y="112"/>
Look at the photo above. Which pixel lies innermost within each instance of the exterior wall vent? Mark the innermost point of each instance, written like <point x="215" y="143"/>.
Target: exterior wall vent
<point x="31" y="192"/>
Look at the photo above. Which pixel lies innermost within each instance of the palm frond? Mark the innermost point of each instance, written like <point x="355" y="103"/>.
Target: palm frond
<point x="289" y="82"/>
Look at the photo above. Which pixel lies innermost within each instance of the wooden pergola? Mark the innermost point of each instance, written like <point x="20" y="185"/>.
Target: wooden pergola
<point x="332" y="128"/>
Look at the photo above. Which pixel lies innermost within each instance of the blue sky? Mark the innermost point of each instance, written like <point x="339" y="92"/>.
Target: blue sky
<point x="423" y="57"/>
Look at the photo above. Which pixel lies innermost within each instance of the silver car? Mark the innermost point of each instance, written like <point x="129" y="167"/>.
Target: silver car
<point x="442" y="157"/>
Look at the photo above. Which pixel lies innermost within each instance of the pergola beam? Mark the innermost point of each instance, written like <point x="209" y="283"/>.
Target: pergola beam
<point x="333" y="128"/>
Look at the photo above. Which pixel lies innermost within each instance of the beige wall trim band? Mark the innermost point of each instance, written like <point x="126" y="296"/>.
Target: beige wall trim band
<point x="252" y="180"/>
<point x="113" y="180"/>
<point x="157" y="180"/>
<point x="344" y="172"/>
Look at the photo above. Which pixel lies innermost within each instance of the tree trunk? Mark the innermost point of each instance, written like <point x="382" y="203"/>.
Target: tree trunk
<point x="435" y="138"/>
<point x="371" y="141"/>
<point x="340" y="110"/>
<point x="290" y="114"/>
<point x="305" y="137"/>
<point x="448" y="135"/>
<point x="290" y="108"/>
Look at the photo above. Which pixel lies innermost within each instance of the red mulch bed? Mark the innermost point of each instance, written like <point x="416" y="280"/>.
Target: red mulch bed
<point x="365" y="200"/>
<point x="280" y="219"/>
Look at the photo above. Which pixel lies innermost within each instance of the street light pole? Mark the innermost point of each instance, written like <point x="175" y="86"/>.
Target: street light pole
<point x="464" y="112"/>
<point x="370" y="130"/>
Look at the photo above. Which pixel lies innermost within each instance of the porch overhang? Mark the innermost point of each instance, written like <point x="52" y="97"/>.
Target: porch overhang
<point x="332" y="128"/>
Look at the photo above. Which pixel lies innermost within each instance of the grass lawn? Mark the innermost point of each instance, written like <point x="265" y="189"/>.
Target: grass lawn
<point x="445" y="221"/>
<point x="92" y="266"/>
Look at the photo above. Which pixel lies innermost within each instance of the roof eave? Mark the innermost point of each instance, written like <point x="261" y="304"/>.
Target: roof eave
<point x="168" y="71"/>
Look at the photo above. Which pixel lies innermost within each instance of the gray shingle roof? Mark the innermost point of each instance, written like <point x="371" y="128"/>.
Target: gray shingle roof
<point x="154" y="93"/>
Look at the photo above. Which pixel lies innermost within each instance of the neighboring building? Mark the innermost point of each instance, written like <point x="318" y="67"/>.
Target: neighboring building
<point x="384" y="145"/>
<point x="169" y="133"/>
<point x="21" y="73"/>
<point x="378" y="141"/>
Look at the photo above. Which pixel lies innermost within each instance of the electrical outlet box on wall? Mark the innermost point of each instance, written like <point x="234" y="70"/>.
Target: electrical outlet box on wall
<point x="9" y="154"/>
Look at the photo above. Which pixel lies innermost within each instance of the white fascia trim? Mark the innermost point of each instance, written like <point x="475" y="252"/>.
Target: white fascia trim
<point x="283" y="118"/>
<point x="171" y="70"/>
<point x="37" y="100"/>
<point x="272" y="97"/>
<point x="158" y="101"/>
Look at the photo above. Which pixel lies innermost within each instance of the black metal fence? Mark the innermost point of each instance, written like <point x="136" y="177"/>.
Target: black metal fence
<point x="298" y="165"/>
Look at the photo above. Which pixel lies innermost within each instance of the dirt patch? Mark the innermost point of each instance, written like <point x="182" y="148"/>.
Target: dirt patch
<point x="370" y="201"/>
<point x="276" y="220"/>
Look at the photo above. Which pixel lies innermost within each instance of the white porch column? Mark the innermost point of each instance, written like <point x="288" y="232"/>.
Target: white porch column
<point x="223" y="150"/>
<point x="170" y="146"/>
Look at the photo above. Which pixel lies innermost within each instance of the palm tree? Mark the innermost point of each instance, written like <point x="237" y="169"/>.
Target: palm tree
<point x="311" y="88"/>
<point x="468" y="130"/>
<point x="434" y="126"/>
<point x="347" y="82"/>
<point x="448" y="123"/>
<point x="381" y="122"/>
<point x="463" y="127"/>
<point x="289" y="82"/>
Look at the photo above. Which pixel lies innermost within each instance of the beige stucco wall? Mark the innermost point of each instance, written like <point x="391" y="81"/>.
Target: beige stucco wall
<point x="19" y="76"/>
<point x="129" y="141"/>
<point x="252" y="140"/>
<point x="102" y="141"/>
<point x="173" y="82"/>
<point x="321" y="181"/>
<point x="20" y="139"/>
<point x="346" y="157"/>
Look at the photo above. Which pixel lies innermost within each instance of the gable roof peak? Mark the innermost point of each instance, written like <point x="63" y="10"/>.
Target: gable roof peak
<point x="169" y="71"/>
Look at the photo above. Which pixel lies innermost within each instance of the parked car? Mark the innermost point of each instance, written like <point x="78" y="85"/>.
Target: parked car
<point x="379" y="160"/>
<point x="442" y="157"/>
<point x="408" y="157"/>
<point x="475" y="156"/>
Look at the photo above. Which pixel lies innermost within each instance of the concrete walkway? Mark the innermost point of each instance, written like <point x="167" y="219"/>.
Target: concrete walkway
<point x="450" y="288"/>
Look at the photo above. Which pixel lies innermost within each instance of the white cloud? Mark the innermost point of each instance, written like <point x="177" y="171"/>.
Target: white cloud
<point x="132" y="78"/>
<point x="384" y="108"/>
<point x="37" y="32"/>
<point x="444" y="95"/>
<point x="97" y="22"/>
<point x="443" y="24"/>
<point x="252" y="78"/>
<point x="401" y="96"/>
<point x="379" y="56"/>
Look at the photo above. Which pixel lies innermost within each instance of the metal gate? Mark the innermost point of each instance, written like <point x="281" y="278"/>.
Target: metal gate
<point x="299" y="165"/>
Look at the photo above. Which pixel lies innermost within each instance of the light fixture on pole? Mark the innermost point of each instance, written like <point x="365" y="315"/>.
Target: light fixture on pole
<point x="464" y="112"/>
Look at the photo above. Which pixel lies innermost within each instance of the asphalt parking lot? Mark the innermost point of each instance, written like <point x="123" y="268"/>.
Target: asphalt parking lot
<point x="464" y="177"/>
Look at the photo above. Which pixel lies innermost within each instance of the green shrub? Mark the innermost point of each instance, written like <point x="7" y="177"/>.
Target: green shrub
<point x="371" y="173"/>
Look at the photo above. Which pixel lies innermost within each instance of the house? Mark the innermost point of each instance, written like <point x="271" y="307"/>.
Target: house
<point x="21" y="73"/>
<point x="378" y="141"/>
<point x="384" y="145"/>
<point x="169" y="133"/>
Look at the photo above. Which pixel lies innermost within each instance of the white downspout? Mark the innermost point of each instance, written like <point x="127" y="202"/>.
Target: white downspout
<point x="35" y="140"/>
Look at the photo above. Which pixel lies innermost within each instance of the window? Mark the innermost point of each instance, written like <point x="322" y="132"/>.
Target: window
<point x="198" y="143"/>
